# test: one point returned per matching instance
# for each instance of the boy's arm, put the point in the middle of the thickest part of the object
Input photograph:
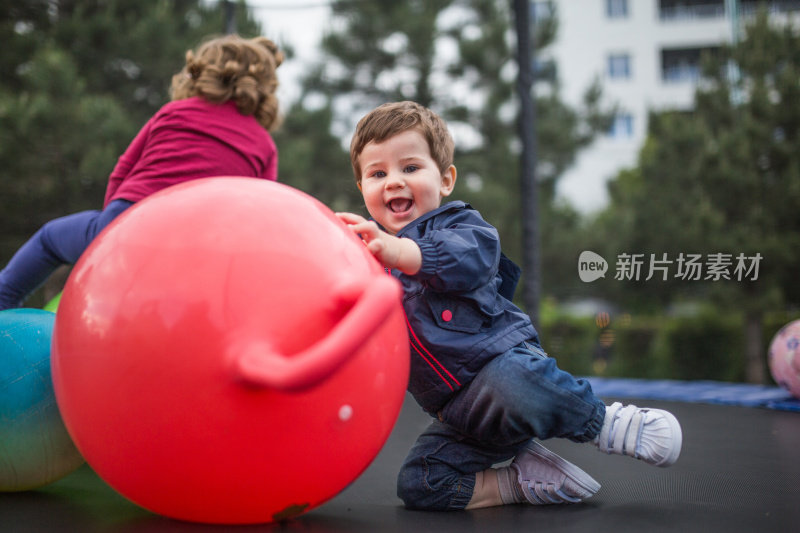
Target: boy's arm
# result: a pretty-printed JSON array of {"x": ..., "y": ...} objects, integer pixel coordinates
[
  {"x": 461, "y": 255},
  {"x": 393, "y": 252}
]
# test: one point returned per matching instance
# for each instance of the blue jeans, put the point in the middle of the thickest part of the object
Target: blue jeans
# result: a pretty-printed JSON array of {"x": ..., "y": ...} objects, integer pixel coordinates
[
  {"x": 61, "y": 241},
  {"x": 518, "y": 396}
]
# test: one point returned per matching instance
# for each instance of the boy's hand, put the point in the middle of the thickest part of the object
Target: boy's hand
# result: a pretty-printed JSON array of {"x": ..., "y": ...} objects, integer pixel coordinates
[{"x": 393, "y": 252}]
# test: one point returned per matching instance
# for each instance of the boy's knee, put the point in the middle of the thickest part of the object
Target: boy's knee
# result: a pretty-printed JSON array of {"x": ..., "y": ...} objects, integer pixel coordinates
[
  {"x": 433, "y": 489},
  {"x": 413, "y": 488},
  {"x": 407, "y": 488}
]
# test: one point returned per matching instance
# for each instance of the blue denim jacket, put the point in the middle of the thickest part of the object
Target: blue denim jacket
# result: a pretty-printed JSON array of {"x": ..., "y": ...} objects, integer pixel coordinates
[{"x": 458, "y": 306}]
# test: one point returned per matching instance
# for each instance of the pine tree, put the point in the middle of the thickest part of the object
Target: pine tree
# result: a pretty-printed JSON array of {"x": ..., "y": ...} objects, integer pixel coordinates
[
  {"x": 724, "y": 178},
  {"x": 458, "y": 58}
]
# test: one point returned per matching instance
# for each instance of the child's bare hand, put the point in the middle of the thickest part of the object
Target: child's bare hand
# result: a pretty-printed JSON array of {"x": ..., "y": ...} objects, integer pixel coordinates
[
  {"x": 366, "y": 229},
  {"x": 391, "y": 251},
  {"x": 378, "y": 242}
]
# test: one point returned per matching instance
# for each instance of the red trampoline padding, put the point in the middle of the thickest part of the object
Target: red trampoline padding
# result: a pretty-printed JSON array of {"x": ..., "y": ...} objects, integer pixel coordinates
[{"x": 226, "y": 351}]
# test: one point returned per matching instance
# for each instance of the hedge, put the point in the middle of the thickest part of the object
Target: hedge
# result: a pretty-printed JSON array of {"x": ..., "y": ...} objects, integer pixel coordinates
[{"x": 708, "y": 345}]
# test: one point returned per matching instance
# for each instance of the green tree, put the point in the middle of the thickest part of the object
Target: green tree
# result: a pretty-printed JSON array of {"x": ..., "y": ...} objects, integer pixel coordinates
[
  {"x": 312, "y": 158},
  {"x": 57, "y": 140},
  {"x": 724, "y": 178},
  {"x": 457, "y": 57}
]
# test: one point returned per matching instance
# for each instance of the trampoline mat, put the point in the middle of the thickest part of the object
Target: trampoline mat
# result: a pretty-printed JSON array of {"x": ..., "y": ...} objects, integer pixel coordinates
[{"x": 738, "y": 471}]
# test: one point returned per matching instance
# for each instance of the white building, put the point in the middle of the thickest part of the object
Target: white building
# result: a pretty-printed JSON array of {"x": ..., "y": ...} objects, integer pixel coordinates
[{"x": 646, "y": 54}]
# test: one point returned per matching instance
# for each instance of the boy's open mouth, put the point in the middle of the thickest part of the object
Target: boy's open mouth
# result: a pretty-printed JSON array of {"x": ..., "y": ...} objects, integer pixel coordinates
[{"x": 400, "y": 205}]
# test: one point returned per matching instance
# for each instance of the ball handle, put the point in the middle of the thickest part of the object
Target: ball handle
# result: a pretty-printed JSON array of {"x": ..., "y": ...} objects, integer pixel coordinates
[{"x": 257, "y": 364}]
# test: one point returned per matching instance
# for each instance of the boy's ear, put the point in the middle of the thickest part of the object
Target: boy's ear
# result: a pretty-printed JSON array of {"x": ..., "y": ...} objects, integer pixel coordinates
[
  {"x": 358, "y": 184},
  {"x": 448, "y": 181}
]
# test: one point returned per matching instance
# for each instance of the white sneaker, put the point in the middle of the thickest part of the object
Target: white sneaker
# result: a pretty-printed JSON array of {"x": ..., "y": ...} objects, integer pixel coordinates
[
  {"x": 652, "y": 435},
  {"x": 545, "y": 478}
]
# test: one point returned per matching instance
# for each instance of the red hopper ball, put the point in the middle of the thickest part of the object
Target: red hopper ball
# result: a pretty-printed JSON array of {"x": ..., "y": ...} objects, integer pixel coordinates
[{"x": 226, "y": 351}]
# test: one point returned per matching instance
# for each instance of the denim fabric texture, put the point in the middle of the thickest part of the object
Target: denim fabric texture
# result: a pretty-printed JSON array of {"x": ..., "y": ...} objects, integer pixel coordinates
[
  {"x": 60, "y": 241},
  {"x": 519, "y": 395}
]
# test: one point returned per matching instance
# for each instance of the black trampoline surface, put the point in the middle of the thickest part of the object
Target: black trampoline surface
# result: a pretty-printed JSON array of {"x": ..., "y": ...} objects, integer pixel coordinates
[{"x": 739, "y": 471}]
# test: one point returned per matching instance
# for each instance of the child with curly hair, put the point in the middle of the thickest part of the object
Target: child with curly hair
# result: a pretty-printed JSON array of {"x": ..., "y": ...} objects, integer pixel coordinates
[{"x": 217, "y": 123}]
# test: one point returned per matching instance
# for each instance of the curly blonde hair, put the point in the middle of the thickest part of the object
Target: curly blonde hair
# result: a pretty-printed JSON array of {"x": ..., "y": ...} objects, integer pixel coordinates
[{"x": 233, "y": 68}]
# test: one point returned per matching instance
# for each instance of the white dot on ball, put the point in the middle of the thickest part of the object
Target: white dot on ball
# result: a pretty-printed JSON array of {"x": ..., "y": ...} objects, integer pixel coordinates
[{"x": 345, "y": 412}]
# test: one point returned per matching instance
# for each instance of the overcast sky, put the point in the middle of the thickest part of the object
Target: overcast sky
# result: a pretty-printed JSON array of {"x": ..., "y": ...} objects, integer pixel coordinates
[{"x": 298, "y": 22}]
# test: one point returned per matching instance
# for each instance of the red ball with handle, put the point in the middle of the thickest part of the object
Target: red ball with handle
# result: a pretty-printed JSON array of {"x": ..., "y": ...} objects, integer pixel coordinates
[{"x": 226, "y": 351}]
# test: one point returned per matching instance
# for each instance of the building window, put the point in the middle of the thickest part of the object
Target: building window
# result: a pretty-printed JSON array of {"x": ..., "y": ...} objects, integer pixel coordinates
[
  {"x": 622, "y": 127},
  {"x": 682, "y": 65},
  {"x": 670, "y": 10},
  {"x": 616, "y": 8},
  {"x": 619, "y": 66},
  {"x": 751, "y": 7}
]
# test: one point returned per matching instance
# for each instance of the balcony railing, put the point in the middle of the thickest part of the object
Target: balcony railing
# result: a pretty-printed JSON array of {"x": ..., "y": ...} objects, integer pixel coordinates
[
  {"x": 692, "y": 11},
  {"x": 773, "y": 7},
  {"x": 689, "y": 11},
  {"x": 681, "y": 74}
]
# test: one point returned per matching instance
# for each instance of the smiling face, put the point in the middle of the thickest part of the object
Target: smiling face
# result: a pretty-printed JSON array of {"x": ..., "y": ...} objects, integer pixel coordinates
[{"x": 400, "y": 181}]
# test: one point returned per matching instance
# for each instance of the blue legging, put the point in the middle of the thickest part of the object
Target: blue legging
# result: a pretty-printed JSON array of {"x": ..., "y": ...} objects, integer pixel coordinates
[{"x": 61, "y": 241}]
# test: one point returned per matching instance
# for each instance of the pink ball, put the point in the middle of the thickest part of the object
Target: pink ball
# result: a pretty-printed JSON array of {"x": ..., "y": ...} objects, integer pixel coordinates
[{"x": 784, "y": 358}]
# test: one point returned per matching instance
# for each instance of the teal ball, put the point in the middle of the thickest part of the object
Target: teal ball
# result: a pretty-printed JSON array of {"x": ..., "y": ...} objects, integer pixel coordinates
[{"x": 35, "y": 447}]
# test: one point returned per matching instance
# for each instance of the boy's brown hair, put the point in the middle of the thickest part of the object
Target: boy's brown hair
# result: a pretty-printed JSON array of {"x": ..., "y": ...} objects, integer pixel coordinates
[
  {"x": 390, "y": 119},
  {"x": 233, "y": 68}
]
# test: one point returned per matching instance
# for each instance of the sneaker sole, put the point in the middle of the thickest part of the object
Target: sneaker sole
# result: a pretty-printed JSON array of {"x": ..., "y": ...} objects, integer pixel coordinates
[
  {"x": 677, "y": 434},
  {"x": 578, "y": 476}
]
